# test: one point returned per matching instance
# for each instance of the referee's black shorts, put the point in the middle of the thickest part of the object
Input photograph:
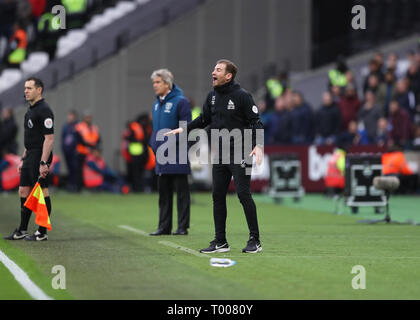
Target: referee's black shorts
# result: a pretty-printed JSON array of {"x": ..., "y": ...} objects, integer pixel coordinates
[{"x": 30, "y": 169}]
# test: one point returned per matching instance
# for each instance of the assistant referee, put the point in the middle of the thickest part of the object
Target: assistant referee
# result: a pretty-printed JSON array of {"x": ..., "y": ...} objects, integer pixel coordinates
[
  {"x": 37, "y": 156},
  {"x": 228, "y": 106}
]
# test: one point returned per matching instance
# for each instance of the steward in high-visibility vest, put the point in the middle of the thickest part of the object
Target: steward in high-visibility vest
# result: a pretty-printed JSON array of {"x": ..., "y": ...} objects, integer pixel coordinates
[
  {"x": 395, "y": 163},
  {"x": 17, "y": 47},
  {"x": 195, "y": 112},
  {"x": 337, "y": 78},
  {"x": 48, "y": 33},
  {"x": 136, "y": 154},
  {"x": 75, "y": 12},
  {"x": 274, "y": 87},
  {"x": 88, "y": 139},
  {"x": 334, "y": 179}
]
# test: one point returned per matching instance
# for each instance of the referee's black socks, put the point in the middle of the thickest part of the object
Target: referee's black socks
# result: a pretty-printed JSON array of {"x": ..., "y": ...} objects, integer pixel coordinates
[
  {"x": 43, "y": 230},
  {"x": 25, "y": 215}
]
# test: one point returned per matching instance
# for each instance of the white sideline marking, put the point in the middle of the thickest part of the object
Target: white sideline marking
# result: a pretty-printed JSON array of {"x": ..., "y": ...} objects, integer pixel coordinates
[
  {"x": 185, "y": 249},
  {"x": 143, "y": 233},
  {"x": 165, "y": 243},
  {"x": 23, "y": 279}
]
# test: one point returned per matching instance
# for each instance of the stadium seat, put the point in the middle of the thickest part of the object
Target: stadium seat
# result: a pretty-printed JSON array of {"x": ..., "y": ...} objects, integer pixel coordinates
[
  {"x": 113, "y": 14},
  {"x": 141, "y": 2},
  {"x": 9, "y": 78},
  {"x": 97, "y": 22},
  {"x": 73, "y": 40},
  {"x": 35, "y": 62},
  {"x": 125, "y": 6}
]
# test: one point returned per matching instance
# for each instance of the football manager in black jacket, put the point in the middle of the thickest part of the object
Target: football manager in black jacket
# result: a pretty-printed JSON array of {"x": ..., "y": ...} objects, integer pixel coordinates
[{"x": 230, "y": 107}]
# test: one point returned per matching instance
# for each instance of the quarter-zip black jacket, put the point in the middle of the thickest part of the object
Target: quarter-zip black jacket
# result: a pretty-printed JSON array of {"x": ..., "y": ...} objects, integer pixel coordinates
[{"x": 229, "y": 107}]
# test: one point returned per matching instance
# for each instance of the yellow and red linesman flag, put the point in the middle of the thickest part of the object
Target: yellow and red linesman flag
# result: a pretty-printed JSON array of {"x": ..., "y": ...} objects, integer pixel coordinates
[{"x": 36, "y": 203}]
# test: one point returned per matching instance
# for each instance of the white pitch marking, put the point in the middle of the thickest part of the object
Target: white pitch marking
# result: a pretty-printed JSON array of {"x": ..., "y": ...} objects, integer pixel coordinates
[
  {"x": 143, "y": 233},
  {"x": 166, "y": 243},
  {"x": 185, "y": 249},
  {"x": 31, "y": 288}
]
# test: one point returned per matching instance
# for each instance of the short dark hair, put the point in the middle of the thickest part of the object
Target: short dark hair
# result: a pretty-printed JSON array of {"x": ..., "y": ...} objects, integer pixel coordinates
[
  {"x": 38, "y": 82},
  {"x": 230, "y": 67}
]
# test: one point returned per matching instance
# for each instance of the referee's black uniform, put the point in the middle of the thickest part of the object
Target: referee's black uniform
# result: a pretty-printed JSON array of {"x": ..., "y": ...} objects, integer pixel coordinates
[
  {"x": 39, "y": 121},
  {"x": 230, "y": 107}
]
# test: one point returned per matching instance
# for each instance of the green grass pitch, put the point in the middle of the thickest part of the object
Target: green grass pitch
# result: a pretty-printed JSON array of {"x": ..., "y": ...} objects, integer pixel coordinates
[{"x": 308, "y": 252}]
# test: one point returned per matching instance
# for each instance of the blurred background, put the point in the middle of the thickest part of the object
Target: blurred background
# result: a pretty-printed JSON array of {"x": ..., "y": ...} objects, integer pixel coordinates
[{"x": 319, "y": 83}]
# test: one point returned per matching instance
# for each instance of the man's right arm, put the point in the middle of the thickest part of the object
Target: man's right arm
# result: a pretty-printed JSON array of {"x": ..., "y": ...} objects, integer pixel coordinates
[{"x": 203, "y": 120}]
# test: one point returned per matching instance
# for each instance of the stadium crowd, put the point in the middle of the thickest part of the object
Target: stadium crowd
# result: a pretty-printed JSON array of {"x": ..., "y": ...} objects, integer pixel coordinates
[
  {"x": 384, "y": 110},
  {"x": 27, "y": 25}
]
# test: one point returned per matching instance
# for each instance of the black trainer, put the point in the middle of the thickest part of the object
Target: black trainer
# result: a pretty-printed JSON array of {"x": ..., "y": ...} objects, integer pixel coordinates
[
  {"x": 16, "y": 235},
  {"x": 253, "y": 246},
  {"x": 37, "y": 236},
  {"x": 216, "y": 246}
]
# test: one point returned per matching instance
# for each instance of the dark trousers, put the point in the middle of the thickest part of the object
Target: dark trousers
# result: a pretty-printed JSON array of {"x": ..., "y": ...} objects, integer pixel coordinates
[
  {"x": 222, "y": 175},
  {"x": 167, "y": 184},
  {"x": 80, "y": 162}
]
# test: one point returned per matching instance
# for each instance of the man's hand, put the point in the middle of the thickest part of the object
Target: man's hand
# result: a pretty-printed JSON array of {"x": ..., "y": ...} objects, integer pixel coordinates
[
  {"x": 258, "y": 153},
  {"x": 43, "y": 171},
  {"x": 175, "y": 131}
]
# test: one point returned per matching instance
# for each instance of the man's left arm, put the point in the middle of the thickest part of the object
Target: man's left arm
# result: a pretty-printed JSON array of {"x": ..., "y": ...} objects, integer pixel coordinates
[
  {"x": 47, "y": 119},
  {"x": 251, "y": 113},
  {"x": 46, "y": 151}
]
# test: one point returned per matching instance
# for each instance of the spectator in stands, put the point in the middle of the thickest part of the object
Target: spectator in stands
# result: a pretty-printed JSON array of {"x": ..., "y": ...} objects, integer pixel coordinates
[
  {"x": 265, "y": 117},
  {"x": 405, "y": 97},
  {"x": 351, "y": 80},
  {"x": 382, "y": 132},
  {"x": 275, "y": 86},
  {"x": 413, "y": 75},
  {"x": 378, "y": 90},
  {"x": 327, "y": 121},
  {"x": 24, "y": 11},
  {"x": 398, "y": 67},
  {"x": 349, "y": 106},
  {"x": 8, "y": 16},
  {"x": 337, "y": 93},
  {"x": 302, "y": 126},
  {"x": 68, "y": 145},
  {"x": 379, "y": 58},
  {"x": 388, "y": 86},
  {"x": 18, "y": 44},
  {"x": 279, "y": 125},
  {"x": 401, "y": 125},
  {"x": 8, "y": 132},
  {"x": 369, "y": 115},
  {"x": 352, "y": 136},
  {"x": 374, "y": 68}
]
